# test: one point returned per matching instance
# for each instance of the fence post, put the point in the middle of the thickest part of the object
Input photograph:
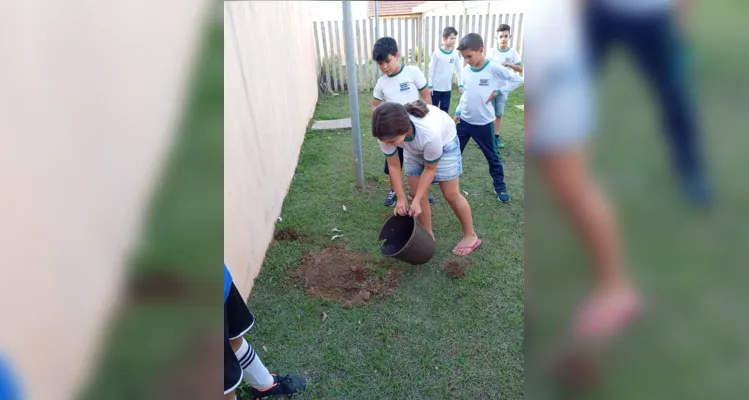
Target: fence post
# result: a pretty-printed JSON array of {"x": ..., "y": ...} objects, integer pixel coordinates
[{"x": 353, "y": 91}]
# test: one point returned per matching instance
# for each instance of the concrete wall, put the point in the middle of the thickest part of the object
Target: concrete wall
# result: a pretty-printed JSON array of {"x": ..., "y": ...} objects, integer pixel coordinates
[
  {"x": 91, "y": 94},
  {"x": 270, "y": 92}
]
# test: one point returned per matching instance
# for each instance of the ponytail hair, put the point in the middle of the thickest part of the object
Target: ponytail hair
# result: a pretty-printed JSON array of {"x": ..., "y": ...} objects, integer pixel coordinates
[{"x": 417, "y": 108}]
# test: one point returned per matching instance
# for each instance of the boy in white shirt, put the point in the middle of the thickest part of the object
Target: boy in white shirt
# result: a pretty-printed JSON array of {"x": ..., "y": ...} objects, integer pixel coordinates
[
  {"x": 483, "y": 81},
  {"x": 508, "y": 57},
  {"x": 445, "y": 61},
  {"x": 399, "y": 84}
]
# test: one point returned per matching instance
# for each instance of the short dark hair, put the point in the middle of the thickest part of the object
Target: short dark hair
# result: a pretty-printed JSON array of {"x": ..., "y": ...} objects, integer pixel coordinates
[
  {"x": 503, "y": 27},
  {"x": 471, "y": 41},
  {"x": 449, "y": 31},
  {"x": 383, "y": 47}
]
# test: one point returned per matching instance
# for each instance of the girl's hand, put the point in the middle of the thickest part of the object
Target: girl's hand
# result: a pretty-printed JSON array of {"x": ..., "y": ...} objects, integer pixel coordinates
[
  {"x": 401, "y": 207},
  {"x": 415, "y": 210},
  {"x": 492, "y": 97}
]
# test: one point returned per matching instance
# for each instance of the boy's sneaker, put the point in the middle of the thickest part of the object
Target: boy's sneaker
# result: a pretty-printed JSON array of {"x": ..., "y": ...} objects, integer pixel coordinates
[
  {"x": 391, "y": 198},
  {"x": 282, "y": 386},
  {"x": 503, "y": 197},
  {"x": 499, "y": 143}
]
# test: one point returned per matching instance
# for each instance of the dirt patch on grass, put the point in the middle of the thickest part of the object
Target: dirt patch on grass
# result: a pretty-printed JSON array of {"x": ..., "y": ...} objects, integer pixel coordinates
[
  {"x": 455, "y": 268},
  {"x": 336, "y": 274},
  {"x": 288, "y": 235}
]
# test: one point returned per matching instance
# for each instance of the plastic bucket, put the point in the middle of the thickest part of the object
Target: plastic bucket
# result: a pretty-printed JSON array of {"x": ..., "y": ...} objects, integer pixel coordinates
[{"x": 406, "y": 240}]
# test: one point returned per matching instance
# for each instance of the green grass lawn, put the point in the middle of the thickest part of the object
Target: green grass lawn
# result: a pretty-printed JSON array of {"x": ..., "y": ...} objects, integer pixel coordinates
[
  {"x": 435, "y": 337},
  {"x": 692, "y": 342}
]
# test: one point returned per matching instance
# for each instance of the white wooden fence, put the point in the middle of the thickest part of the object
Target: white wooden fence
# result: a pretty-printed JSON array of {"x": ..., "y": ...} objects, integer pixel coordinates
[{"x": 417, "y": 39}]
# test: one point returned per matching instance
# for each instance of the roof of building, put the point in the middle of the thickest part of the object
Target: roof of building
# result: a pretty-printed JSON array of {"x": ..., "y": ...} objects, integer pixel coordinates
[{"x": 391, "y": 8}]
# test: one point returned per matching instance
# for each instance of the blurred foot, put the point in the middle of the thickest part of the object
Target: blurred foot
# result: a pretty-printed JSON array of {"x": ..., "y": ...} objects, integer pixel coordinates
[
  {"x": 503, "y": 197},
  {"x": 607, "y": 313}
]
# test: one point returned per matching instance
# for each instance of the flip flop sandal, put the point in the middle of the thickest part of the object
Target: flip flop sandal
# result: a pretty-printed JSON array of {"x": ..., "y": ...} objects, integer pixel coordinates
[{"x": 472, "y": 248}]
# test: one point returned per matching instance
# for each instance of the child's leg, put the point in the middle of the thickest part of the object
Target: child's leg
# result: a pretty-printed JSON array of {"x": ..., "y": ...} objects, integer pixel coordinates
[
  {"x": 614, "y": 301},
  {"x": 484, "y": 137},
  {"x": 459, "y": 204},
  {"x": 445, "y": 101},
  {"x": 254, "y": 371},
  {"x": 497, "y": 125},
  {"x": 436, "y": 98},
  {"x": 464, "y": 134},
  {"x": 425, "y": 219}
]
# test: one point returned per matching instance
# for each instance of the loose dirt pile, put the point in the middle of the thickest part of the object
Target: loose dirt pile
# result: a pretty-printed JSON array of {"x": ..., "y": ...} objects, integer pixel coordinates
[
  {"x": 455, "y": 268},
  {"x": 337, "y": 274}
]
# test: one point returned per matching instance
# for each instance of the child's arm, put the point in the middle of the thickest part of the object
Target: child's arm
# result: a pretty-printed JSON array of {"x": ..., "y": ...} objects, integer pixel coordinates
[
  {"x": 459, "y": 72},
  {"x": 432, "y": 65},
  {"x": 396, "y": 179},
  {"x": 461, "y": 105},
  {"x": 378, "y": 95},
  {"x": 516, "y": 64},
  {"x": 514, "y": 81},
  {"x": 515, "y": 67},
  {"x": 421, "y": 84}
]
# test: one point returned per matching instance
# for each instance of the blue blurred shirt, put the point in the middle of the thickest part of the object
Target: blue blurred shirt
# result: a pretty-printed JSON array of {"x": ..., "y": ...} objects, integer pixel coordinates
[
  {"x": 8, "y": 386},
  {"x": 227, "y": 287}
]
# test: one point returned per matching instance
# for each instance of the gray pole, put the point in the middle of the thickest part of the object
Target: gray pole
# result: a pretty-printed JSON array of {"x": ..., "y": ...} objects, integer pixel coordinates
[
  {"x": 353, "y": 90},
  {"x": 377, "y": 21}
]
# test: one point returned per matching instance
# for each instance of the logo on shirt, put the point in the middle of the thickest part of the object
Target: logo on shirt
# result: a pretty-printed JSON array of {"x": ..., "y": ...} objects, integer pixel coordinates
[
  {"x": 404, "y": 87},
  {"x": 508, "y": 59},
  {"x": 484, "y": 82},
  {"x": 452, "y": 60}
]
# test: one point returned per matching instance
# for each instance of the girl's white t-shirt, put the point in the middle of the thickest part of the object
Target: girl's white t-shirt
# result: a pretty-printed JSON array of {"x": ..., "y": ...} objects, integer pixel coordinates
[{"x": 431, "y": 133}]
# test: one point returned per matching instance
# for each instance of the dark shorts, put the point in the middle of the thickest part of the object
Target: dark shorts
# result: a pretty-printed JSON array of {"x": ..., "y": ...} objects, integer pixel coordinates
[
  {"x": 238, "y": 319},
  {"x": 400, "y": 155}
]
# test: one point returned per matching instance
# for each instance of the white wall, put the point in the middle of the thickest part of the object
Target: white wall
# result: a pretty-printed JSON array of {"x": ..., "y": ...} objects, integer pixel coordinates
[
  {"x": 91, "y": 94},
  {"x": 270, "y": 93}
]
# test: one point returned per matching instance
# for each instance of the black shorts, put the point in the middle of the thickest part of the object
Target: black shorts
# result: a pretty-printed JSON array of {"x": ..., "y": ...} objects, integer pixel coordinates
[{"x": 238, "y": 319}]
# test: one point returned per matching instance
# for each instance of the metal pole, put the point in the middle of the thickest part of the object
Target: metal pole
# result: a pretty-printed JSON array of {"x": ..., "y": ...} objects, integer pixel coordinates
[
  {"x": 353, "y": 90},
  {"x": 377, "y": 20}
]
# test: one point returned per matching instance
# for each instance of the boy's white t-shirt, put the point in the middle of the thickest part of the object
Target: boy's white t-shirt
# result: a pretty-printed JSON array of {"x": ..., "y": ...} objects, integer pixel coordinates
[
  {"x": 510, "y": 55},
  {"x": 478, "y": 87},
  {"x": 402, "y": 87},
  {"x": 431, "y": 133},
  {"x": 441, "y": 69}
]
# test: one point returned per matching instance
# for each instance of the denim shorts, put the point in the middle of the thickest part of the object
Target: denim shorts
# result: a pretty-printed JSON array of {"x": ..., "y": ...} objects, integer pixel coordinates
[
  {"x": 499, "y": 103},
  {"x": 449, "y": 167}
]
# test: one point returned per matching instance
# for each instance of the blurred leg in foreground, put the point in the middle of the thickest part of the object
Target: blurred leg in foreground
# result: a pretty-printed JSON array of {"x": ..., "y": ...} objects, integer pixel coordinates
[
  {"x": 560, "y": 123},
  {"x": 651, "y": 33}
]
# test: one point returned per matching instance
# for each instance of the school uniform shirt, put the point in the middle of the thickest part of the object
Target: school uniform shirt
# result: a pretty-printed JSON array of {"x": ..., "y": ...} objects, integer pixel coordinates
[
  {"x": 401, "y": 87},
  {"x": 502, "y": 56},
  {"x": 441, "y": 70},
  {"x": 478, "y": 87},
  {"x": 431, "y": 133}
]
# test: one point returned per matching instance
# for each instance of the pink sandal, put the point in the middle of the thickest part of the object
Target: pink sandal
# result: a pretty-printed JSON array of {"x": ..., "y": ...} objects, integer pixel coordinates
[{"x": 472, "y": 248}]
